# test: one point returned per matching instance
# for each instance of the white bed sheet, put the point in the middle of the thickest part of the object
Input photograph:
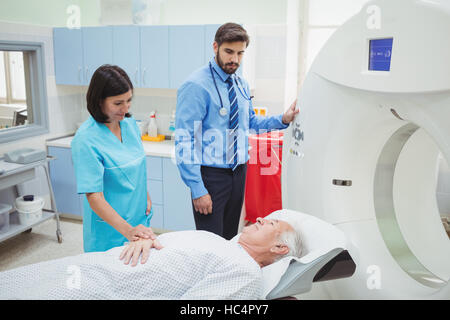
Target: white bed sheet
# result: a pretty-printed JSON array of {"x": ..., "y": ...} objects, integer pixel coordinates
[{"x": 192, "y": 265}]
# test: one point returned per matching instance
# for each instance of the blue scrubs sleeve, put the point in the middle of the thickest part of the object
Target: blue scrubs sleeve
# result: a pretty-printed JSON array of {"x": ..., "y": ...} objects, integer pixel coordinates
[{"x": 88, "y": 165}]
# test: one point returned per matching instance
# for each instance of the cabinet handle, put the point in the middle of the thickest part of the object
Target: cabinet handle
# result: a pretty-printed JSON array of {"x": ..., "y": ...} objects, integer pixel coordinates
[
  {"x": 136, "y": 75},
  {"x": 79, "y": 74},
  {"x": 143, "y": 76}
]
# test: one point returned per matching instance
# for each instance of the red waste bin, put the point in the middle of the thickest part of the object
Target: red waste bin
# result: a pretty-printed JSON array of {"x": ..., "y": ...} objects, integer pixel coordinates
[{"x": 263, "y": 182}]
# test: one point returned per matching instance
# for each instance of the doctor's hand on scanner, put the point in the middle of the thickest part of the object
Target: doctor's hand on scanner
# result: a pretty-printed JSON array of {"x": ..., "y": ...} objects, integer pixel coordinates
[
  {"x": 133, "y": 250},
  {"x": 203, "y": 204},
  {"x": 290, "y": 113}
]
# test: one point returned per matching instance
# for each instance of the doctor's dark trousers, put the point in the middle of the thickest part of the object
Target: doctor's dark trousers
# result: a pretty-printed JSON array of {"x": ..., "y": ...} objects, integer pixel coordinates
[{"x": 226, "y": 188}]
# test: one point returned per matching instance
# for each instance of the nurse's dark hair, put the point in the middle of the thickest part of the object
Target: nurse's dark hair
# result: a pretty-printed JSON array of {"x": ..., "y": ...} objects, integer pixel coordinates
[
  {"x": 231, "y": 32},
  {"x": 107, "y": 81}
]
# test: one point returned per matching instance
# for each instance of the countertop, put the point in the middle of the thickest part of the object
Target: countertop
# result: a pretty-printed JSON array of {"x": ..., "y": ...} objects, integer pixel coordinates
[{"x": 164, "y": 148}]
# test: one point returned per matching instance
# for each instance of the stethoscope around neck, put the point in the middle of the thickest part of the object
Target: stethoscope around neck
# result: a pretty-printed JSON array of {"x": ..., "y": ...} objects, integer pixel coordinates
[{"x": 223, "y": 111}]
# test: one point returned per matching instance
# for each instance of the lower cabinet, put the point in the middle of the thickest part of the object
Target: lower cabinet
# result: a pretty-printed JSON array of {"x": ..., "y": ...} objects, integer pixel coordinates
[
  {"x": 171, "y": 199},
  {"x": 178, "y": 213},
  {"x": 64, "y": 184},
  {"x": 157, "y": 220}
]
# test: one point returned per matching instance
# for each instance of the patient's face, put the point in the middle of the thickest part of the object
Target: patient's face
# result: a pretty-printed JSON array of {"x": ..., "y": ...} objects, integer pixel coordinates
[{"x": 265, "y": 232}]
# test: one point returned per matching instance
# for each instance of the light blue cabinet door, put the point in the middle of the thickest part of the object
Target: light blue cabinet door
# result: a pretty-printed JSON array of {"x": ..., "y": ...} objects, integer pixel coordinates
[
  {"x": 155, "y": 190},
  {"x": 68, "y": 56},
  {"x": 157, "y": 220},
  {"x": 154, "y": 168},
  {"x": 177, "y": 199},
  {"x": 186, "y": 52},
  {"x": 154, "y": 41},
  {"x": 97, "y": 49},
  {"x": 62, "y": 175},
  {"x": 126, "y": 53}
]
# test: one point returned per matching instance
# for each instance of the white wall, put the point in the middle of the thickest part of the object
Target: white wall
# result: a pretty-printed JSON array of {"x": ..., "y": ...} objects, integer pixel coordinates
[
  {"x": 51, "y": 13},
  {"x": 273, "y": 76},
  {"x": 217, "y": 11}
]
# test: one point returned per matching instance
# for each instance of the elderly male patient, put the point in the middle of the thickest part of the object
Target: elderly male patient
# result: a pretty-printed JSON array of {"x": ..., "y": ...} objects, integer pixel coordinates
[{"x": 190, "y": 265}]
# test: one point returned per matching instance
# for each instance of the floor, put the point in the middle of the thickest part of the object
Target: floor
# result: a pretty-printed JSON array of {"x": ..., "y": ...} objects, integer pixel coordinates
[{"x": 41, "y": 244}]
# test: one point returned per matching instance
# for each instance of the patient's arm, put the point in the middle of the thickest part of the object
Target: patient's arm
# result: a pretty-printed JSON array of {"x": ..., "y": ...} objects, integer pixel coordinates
[{"x": 133, "y": 250}]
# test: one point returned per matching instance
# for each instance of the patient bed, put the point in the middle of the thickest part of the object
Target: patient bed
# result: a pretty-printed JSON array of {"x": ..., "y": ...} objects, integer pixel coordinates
[{"x": 101, "y": 276}]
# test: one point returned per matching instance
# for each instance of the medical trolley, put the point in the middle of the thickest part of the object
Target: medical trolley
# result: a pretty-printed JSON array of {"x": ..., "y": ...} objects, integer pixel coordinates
[{"x": 13, "y": 174}]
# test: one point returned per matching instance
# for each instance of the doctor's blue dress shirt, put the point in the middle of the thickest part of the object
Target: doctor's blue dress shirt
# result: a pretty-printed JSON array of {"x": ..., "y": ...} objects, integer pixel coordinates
[{"x": 202, "y": 128}]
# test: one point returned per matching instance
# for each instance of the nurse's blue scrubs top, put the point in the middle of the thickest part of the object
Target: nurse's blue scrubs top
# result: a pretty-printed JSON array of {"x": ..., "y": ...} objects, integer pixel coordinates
[{"x": 118, "y": 169}]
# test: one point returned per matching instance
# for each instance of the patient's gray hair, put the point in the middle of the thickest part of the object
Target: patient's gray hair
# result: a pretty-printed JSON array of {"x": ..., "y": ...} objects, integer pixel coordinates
[{"x": 292, "y": 239}]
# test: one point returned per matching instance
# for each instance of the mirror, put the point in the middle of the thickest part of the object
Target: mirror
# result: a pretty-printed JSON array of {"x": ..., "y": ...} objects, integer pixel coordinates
[
  {"x": 23, "y": 90},
  {"x": 15, "y": 109}
]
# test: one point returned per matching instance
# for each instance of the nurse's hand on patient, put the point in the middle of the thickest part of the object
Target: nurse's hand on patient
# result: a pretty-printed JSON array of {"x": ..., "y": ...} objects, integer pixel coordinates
[
  {"x": 290, "y": 113},
  {"x": 149, "y": 206},
  {"x": 134, "y": 249},
  {"x": 203, "y": 204},
  {"x": 139, "y": 232}
]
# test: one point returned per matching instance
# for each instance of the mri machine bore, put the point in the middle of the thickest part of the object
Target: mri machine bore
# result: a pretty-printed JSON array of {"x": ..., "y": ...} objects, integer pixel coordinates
[{"x": 365, "y": 150}]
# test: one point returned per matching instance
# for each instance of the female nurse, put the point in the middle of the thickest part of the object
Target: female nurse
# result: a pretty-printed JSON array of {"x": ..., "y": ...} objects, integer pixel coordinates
[{"x": 110, "y": 165}]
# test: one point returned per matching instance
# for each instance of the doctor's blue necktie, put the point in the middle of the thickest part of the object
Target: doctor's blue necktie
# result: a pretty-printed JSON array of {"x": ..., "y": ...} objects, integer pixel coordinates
[{"x": 234, "y": 123}]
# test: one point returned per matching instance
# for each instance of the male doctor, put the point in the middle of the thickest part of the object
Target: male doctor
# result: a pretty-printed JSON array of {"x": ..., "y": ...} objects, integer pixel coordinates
[{"x": 213, "y": 116}]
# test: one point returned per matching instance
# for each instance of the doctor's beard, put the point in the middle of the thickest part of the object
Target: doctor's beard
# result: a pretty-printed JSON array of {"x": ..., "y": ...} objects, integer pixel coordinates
[{"x": 228, "y": 68}]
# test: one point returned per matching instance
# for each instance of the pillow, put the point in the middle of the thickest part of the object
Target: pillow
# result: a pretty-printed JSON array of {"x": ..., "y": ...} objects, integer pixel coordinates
[{"x": 318, "y": 239}]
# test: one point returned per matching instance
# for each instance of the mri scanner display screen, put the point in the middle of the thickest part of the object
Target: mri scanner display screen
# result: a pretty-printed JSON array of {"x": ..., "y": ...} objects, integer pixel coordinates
[{"x": 380, "y": 54}]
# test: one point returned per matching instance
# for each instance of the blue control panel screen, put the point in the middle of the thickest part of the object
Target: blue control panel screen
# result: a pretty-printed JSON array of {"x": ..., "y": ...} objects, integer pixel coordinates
[{"x": 380, "y": 54}]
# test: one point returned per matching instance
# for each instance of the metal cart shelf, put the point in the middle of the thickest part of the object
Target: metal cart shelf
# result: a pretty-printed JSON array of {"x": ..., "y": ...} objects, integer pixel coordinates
[{"x": 13, "y": 174}]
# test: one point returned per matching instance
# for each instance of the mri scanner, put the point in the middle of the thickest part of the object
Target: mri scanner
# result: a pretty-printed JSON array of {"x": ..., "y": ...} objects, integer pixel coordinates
[{"x": 365, "y": 150}]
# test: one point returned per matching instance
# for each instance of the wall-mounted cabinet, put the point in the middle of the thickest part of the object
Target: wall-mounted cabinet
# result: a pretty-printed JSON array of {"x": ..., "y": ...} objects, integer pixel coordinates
[
  {"x": 68, "y": 55},
  {"x": 152, "y": 56},
  {"x": 125, "y": 41},
  {"x": 97, "y": 49},
  {"x": 78, "y": 53},
  {"x": 186, "y": 52}
]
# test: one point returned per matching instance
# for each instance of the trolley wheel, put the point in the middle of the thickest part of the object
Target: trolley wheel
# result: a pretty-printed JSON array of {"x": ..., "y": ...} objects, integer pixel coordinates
[
  {"x": 59, "y": 236},
  {"x": 28, "y": 231}
]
